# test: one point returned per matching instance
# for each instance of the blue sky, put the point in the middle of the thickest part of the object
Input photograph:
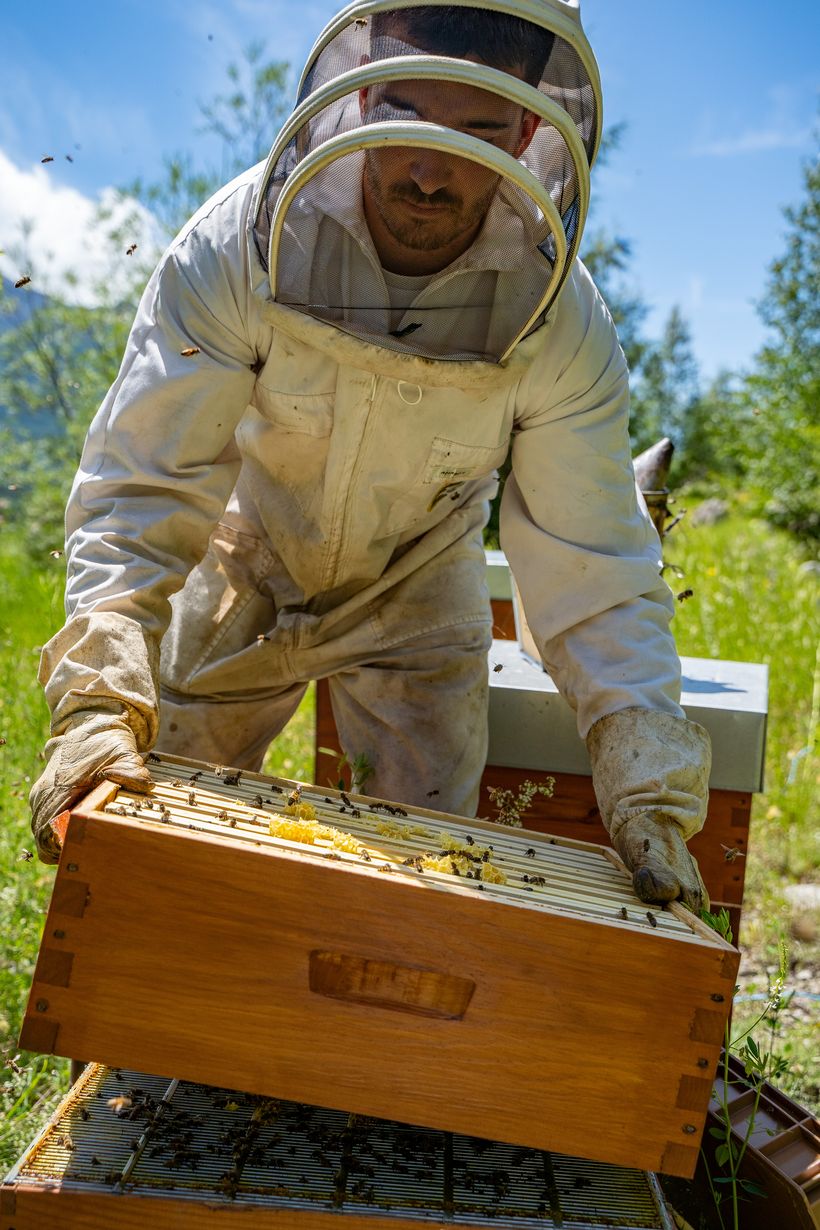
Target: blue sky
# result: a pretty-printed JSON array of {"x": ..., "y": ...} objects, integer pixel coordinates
[{"x": 720, "y": 99}]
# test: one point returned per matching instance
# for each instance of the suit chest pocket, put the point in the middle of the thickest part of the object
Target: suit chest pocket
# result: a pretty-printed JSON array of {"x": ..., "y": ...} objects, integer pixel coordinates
[
  {"x": 451, "y": 462},
  {"x": 296, "y": 389}
]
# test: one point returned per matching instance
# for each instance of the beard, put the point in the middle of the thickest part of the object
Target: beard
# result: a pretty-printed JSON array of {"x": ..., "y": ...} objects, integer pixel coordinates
[{"x": 451, "y": 221}]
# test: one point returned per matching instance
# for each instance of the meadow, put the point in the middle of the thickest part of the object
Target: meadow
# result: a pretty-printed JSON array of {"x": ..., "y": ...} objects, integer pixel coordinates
[{"x": 754, "y": 599}]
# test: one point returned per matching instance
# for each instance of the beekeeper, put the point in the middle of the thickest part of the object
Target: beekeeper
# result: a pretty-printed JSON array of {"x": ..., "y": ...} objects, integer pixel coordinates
[{"x": 290, "y": 477}]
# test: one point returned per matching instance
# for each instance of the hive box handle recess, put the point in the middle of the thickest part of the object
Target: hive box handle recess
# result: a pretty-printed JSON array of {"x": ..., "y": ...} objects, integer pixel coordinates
[{"x": 384, "y": 984}]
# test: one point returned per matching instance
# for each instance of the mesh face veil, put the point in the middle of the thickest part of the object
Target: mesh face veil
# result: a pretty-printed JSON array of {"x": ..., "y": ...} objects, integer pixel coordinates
[{"x": 429, "y": 191}]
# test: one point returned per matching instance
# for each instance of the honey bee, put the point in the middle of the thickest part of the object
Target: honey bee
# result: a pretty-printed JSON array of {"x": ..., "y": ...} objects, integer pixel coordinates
[
  {"x": 499, "y": 666},
  {"x": 131, "y": 249},
  {"x": 730, "y": 853},
  {"x": 684, "y": 594},
  {"x": 653, "y": 922},
  {"x": 56, "y": 554},
  {"x": 360, "y": 21},
  {"x": 646, "y": 845},
  {"x": 23, "y": 281},
  {"x": 431, "y": 794},
  {"x": 120, "y": 1103},
  {"x": 25, "y": 856},
  {"x": 188, "y": 351},
  {"x": 622, "y": 913},
  {"x": 68, "y": 158},
  {"x": 48, "y": 158},
  {"x": 530, "y": 853},
  {"x": 407, "y": 330}
]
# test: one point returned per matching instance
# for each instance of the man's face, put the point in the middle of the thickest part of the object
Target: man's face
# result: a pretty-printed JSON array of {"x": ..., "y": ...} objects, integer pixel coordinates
[{"x": 425, "y": 208}]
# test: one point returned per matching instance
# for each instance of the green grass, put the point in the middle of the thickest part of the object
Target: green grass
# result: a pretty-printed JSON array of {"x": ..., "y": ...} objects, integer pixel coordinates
[
  {"x": 31, "y": 610},
  {"x": 750, "y": 602}
]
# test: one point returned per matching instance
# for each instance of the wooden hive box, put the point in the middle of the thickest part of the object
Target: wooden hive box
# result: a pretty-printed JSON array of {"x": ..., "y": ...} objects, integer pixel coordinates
[
  {"x": 181, "y": 1156},
  {"x": 550, "y": 1010}
]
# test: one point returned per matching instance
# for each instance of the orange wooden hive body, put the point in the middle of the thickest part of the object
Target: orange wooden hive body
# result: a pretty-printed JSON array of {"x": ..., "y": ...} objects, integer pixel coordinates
[{"x": 552, "y": 1010}]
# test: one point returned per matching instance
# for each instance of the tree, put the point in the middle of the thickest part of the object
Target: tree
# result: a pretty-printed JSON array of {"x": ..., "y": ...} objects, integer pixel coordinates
[
  {"x": 245, "y": 119},
  {"x": 780, "y": 444},
  {"x": 607, "y": 256},
  {"x": 57, "y": 359},
  {"x": 666, "y": 391}
]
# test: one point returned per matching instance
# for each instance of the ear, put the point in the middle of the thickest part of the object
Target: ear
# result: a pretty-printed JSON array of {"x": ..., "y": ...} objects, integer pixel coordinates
[
  {"x": 363, "y": 92},
  {"x": 529, "y": 124}
]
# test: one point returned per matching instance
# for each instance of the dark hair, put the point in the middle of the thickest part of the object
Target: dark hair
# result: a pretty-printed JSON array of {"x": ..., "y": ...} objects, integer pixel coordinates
[{"x": 498, "y": 39}]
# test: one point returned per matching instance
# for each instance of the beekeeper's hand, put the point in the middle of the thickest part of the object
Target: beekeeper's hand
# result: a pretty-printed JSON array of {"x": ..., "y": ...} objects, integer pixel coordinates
[
  {"x": 93, "y": 747},
  {"x": 653, "y": 849},
  {"x": 651, "y": 772}
]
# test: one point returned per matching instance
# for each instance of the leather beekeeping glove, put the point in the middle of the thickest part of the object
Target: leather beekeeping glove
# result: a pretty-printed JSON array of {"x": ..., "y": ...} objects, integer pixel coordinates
[
  {"x": 99, "y": 674},
  {"x": 94, "y": 747},
  {"x": 651, "y": 773}
]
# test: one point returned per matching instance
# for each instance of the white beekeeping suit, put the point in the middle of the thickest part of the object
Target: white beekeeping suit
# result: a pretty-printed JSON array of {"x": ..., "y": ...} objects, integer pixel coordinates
[{"x": 290, "y": 476}]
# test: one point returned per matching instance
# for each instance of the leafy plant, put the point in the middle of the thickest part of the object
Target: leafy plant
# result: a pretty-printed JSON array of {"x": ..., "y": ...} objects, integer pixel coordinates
[
  {"x": 359, "y": 768},
  {"x": 730, "y": 1188}
]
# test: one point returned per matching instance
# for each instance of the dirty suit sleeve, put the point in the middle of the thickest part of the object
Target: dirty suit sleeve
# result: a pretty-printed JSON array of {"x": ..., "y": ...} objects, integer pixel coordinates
[
  {"x": 581, "y": 546},
  {"x": 157, "y": 470}
]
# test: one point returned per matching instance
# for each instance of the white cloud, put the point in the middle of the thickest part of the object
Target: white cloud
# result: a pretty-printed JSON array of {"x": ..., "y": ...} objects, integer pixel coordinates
[
  {"x": 48, "y": 232},
  {"x": 754, "y": 141},
  {"x": 784, "y": 125}
]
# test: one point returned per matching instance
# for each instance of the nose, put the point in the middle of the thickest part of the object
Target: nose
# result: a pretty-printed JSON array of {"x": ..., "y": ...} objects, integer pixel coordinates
[{"x": 430, "y": 170}]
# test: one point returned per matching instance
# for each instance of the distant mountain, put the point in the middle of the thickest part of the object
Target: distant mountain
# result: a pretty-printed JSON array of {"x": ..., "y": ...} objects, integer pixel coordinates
[{"x": 16, "y": 306}]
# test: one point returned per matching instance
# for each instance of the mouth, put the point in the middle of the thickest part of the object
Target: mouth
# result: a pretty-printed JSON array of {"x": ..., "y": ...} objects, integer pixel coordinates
[{"x": 424, "y": 209}]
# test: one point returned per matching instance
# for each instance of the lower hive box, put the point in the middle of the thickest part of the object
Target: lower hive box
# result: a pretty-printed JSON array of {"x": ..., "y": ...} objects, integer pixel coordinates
[
  {"x": 456, "y": 974},
  {"x": 126, "y": 1151}
]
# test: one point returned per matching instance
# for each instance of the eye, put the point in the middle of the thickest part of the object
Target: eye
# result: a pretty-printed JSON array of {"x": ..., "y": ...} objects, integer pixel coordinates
[
  {"x": 386, "y": 111},
  {"x": 493, "y": 136}
]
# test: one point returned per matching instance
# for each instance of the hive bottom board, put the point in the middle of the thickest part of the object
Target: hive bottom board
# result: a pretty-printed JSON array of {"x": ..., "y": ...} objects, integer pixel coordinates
[{"x": 125, "y": 1151}]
